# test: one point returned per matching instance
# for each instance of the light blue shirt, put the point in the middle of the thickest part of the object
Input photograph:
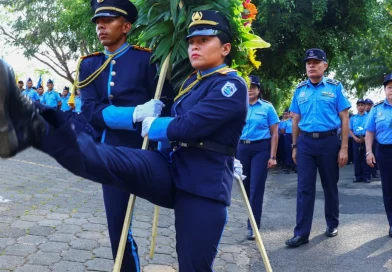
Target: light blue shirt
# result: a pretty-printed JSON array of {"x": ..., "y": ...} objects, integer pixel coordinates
[
  {"x": 319, "y": 106},
  {"x": 379, "y": 121},
  {"x": 51, "y": 98},
  {"x": 41, "y": 97},
  {"x": 64, "y": 102},
  {"x": 260, "y": 117},
  {"x": 31, "y": 93},
  {"x": 358, "y": 123},
  {"x": 78, "y": 104},
  {"x": 288, "y": 125}
]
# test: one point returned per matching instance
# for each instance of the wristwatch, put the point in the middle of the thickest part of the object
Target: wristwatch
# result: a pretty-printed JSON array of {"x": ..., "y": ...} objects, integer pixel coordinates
[{"x": 293, "y": 146}]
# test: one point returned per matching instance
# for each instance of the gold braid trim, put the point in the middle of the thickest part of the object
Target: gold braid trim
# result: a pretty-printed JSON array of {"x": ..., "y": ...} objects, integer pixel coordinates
[
  {"x": 93, "y": 76},
  {"x": 198, "y": 79}
]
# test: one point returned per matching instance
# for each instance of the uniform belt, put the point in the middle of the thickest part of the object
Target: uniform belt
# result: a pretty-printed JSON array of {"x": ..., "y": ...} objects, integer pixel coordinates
[
  {"x": 388, "y": 146},
  {"x": 360, "y": 136},
  {"x": 253, "y": 142},
  {"x": 210, "y": 146},
  {"x": 319, "y": 135}
]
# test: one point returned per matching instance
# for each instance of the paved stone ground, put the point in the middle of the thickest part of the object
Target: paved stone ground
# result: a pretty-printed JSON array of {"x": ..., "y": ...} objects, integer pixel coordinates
[{"x": 51, "y": 220}]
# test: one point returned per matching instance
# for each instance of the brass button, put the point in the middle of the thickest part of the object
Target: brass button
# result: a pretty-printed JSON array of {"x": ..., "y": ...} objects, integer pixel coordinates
[
  {"x": 113, "y": 62},
  {"x": 111, "y": 96},
  {"x": 112, "y": 83},
  {"x": 113, "y": 73}
]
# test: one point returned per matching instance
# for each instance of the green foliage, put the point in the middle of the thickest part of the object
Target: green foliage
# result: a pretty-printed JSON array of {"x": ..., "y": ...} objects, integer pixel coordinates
[
  {"x": 336, "y": 26},
  {"x": 164, "y": 28}
]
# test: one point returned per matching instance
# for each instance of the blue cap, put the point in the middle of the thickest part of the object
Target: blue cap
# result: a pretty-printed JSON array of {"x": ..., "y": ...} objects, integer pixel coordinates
[
  {"x": 114, "y": 8},
  {"x": 360, "y": 101},
  {"x": 208, "y": 23},
  {"x": 29, "y": 79},
  {"x": 49, "y": 81},
  {"x": 66, "y": 88},
  {"x": 387, "y": 79},
  {"x": 368, "y": 101},
  {"x": 315, "y": 53},
  {"x": 255, "y": 80}
]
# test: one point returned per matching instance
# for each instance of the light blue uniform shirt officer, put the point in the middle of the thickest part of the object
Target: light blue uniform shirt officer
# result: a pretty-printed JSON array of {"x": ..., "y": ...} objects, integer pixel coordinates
[
  {"x": 288, "y": 125},
  {"x": 31, "y": 93},
  {"x": 78, "y": 104},
  {"x": 51, "y": 98},
  {"x": 64, "y": 102},
  {"x": 319, "y": 105},
  {"x": 261, "y": 116},
  {"x": 379, "y": 121},
  {"x": 358, "y": 123}
]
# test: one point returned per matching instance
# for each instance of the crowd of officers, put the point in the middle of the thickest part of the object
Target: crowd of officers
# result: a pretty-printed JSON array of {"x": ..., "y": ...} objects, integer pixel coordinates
[{"x": 50, "y": 97}]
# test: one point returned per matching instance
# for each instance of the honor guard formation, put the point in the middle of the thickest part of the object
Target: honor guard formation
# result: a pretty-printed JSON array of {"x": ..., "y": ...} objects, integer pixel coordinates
[{"x": 216, "y": 128}]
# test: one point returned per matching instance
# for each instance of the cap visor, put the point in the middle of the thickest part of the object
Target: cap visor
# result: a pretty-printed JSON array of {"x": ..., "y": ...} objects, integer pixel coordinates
[
  {"x": 204, "y": 32},
  {"x": 315, "y": 58},
  {"x": 105, "y": 14}
]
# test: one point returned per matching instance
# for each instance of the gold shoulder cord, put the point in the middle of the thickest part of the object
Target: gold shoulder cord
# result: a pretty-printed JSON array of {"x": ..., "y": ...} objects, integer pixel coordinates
[
  {"x": 92, "y": 77},
  {"x": 198, "y": 79}
]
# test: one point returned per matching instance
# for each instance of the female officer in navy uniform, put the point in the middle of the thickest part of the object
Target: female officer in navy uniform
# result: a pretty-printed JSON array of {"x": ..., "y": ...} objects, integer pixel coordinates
[
  {"x": 379, "y": 126},
  {"x": 195, "y": 178},
  {"x": 257, "y": 148}
]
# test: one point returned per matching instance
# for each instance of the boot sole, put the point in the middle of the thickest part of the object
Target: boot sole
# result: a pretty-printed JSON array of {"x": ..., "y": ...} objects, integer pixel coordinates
[{"x": 8, "y": 139}]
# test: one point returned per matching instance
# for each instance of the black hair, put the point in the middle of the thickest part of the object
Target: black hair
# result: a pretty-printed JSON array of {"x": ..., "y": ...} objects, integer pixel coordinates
[
  {"x": 20, "y": 81},
  {"x": 225, "y": 38}
]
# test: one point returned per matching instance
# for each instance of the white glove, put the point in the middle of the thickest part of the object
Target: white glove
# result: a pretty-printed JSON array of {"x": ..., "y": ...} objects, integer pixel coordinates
[
  {"x": 146, "y": 125},
  {"x": 152, "y": 108},
  {"x": 238, "y": 170}
]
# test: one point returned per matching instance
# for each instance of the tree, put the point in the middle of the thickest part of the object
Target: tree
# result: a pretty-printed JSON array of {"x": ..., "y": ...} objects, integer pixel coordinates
[
  {"x": 54, "y": 32},
  {"x": 294, "y": 26}
]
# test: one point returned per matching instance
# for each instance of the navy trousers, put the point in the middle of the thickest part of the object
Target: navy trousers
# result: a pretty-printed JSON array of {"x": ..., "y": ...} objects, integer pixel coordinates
[
  {"x": 384, "y": 159},
  {"x": 254, "y": 159},
  {"x": 375, "y": 168},
  {"x": 313, "y": 154},
  {"x": 280, "y": 156},
  {"x": 350, "y": 150},
  {"x": 147, "y": 174},
  {"x": 362, "y": 171}
]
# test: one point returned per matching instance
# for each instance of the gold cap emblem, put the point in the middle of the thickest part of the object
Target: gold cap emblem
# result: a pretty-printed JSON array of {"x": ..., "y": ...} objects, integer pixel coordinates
[
  {"x": 100, "y": 1},
  {"x": 197, "y": 16}
]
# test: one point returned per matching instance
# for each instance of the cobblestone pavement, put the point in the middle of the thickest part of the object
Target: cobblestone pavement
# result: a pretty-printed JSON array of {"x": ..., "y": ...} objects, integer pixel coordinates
[{"x": 51, "y": 220}]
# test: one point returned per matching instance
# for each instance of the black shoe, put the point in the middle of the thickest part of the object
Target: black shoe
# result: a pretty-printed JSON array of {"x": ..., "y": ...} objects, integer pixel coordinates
[
  {"x": 367, "y": 181},
  {"x": 375, "y": 176},
  {"x": 297, "y": 241},
  {"x": 331, "y": 232},
  {"x": 250, "y": 236},
  {"x": 20, "y": 124},
  {"x": 357, "y": 180},
  {"x": 287, "y": 171},
  {"x": 390, "y": 232}
]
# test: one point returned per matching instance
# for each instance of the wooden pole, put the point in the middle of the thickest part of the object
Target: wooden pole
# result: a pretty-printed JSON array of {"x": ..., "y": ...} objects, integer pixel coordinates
[{"x": 256, "y": 231}]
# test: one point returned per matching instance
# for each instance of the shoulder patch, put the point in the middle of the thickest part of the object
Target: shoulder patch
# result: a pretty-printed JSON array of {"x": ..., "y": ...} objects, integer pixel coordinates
[
  {"x": 333, "y": 81},
  {"x": 379, "y": 103},
  {"x": 141, "y": 48},
  {"x": 266, "y": 101},
  {"x": 91, "y": 55},
  {"x": 229, "y": 89},
  {"x": 303, "y": 83},
  {"x": 226, "y": 71}
]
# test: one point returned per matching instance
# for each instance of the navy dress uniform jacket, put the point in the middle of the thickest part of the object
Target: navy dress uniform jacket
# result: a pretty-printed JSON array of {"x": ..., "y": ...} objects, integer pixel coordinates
[{"x": 129, "y": 80}]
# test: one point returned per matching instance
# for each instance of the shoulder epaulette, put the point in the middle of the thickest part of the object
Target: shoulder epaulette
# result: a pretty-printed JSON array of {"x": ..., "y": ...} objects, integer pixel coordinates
[
  {"x": 91, "y": 55},
  {"x": 266, "y": 101},
  {"x": 226, "y": 71},
  {"x": 137, "y": 47},
  {"x": 379, "y": 103},
  {"x": 333, "y": 81},
  {"x": 303, "y": 83}
]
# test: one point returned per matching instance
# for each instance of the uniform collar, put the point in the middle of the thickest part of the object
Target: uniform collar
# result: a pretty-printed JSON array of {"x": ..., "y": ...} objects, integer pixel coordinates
[
  {"x": 324, "y": 80},
  {"x": 212, "y": 69},
  {"x": 387, "y": 103},
  {"x": 121, "y": 48}
]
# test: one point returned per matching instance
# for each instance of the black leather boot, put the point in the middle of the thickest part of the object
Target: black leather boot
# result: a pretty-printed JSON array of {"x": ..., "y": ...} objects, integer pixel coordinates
[{"x": 21, "y": 126}]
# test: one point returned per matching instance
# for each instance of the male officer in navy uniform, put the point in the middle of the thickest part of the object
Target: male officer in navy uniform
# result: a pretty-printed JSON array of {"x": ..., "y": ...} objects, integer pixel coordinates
[
  {"x": 319, "y": 108},
  {"x": 110, "y": 102}
]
